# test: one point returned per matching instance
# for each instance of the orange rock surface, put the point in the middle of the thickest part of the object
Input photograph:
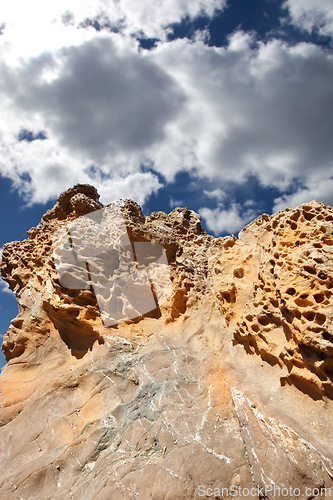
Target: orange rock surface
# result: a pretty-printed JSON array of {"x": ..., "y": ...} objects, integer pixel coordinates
[{"x": 226, "y": 385}]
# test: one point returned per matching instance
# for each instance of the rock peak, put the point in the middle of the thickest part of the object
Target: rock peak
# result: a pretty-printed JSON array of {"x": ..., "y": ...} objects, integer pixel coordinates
[
  {"x": 150, "y": 359},
  {"x": 79, "y": 200}
]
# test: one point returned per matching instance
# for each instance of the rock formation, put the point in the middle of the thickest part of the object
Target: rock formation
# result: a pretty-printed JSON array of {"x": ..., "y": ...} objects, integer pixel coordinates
[{"x": 223, "y": 388}]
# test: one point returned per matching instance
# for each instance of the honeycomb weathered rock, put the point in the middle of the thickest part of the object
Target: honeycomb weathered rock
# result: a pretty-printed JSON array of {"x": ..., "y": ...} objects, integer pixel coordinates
[{"x": 226, "y": 383}]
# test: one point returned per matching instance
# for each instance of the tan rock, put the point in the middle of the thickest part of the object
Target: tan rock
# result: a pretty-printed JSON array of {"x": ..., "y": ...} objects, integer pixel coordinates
[{"x": 226, "y": 385}]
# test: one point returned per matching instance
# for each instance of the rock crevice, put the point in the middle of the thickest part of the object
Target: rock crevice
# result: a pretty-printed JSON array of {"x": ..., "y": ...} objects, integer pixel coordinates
[{"x": 152, "y": 360}]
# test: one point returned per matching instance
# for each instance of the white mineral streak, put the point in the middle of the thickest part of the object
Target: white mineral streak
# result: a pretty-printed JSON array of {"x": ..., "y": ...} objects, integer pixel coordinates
[{"x": 224, "y": 380}]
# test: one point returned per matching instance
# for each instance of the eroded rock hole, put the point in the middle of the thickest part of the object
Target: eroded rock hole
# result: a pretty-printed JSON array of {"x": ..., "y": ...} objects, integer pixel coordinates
[
  {"x": 327, "y": 336},
  {"x": 319, "y": 297},
  {"x": 308, "y": 215},
  {"x": 265, "y": 320},
  {"x": 309, "y": 269},
  {"x": 309, "y": 315},
  {"x": 303, "y": 302},
  {"x": 320, "y": 319},
  {"x": 312, "y": 354},
  {"x": 239, "y": 273}
]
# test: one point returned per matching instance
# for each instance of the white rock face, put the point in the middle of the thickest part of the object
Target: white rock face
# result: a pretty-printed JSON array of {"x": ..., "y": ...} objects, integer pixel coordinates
[
  {"x": 129, "y": 278},
  {"x": 222, "y": 386}
]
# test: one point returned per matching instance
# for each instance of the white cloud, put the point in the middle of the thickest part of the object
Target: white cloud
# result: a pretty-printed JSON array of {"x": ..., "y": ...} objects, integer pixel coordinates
[
  {"x": 312, "y": 14},
  {"x": 102, "y": 101},
  {"x": 137, "y": 186},
  {"x": 36, "y": 24},
  {"x": 320, "y": 190},
  {"x": 218, "y": 194},
  {"x": 149, "y": 17},
  {"x": 4, "y": 287},
  {"x": 264, "y": 110},
  {"x": 231, "y": 220},
  {"x": 1, "y": 250},
  {"x": 106, "y": 105},
  {"x": 175, "y": 203}
]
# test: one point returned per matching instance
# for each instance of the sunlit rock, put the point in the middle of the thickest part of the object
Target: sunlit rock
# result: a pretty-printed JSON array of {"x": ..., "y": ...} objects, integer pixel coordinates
[{"x": 152, "y": 360}]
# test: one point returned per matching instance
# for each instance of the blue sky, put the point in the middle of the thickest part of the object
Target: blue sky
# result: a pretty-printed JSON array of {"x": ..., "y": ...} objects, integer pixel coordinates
[{"x": 225, "y": 107}]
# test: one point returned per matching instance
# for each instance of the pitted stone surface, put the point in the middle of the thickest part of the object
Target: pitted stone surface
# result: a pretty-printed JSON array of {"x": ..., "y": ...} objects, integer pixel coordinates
[{"x": 226, "y": 384}]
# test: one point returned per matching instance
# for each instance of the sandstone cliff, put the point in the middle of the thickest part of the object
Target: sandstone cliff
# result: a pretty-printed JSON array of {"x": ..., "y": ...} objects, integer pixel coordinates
[{"x": 223, "y": 386}]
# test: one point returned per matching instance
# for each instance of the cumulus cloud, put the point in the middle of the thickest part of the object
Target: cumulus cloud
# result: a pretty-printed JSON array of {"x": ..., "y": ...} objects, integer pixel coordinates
[
  {"x": 96, "y": 108},
  {"x": 101, "y": 100},
  {"x": 218, "y": 194},
  {"x": 142, "y": 17},
  {"x": 312, "y": 15},
  {"x": 5, "y": 288},
  {"x": 319, "y": 190},
  {"x": 104, "y": 106},
  {"x": 175, "y": 203},
  {"x": 252, "y": 109},
  {"x": 150, "y": 18},
  {"x": 221, "y": 220},
  {"x": 137, "y": 186}
]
